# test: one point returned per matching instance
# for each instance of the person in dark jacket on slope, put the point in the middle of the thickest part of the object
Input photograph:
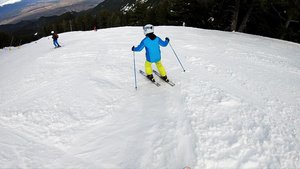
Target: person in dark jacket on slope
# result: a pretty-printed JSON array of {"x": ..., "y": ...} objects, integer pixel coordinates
[
  {"x": 152, "y": 44},
  {"x": 55, "y": 37}
]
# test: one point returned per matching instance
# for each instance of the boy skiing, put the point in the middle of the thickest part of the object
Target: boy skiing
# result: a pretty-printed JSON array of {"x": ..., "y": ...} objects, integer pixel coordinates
[
  {"x": 55, "y": 37},
  {"x": 152, "y": 44}
]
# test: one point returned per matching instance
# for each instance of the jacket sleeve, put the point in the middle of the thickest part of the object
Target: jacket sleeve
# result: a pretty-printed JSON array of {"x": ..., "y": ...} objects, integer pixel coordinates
[
  {"x": 140, "y": 47},
  {"x": 163, "y": 43}
]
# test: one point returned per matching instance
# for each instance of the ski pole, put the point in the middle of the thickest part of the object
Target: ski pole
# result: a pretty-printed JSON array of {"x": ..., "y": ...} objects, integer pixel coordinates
[
  {"x": 20, "y": 44},
  {"x": 12, "y": 39},
  {"x": 134, "y": 70},
  {"x": 177, "y": 57}
]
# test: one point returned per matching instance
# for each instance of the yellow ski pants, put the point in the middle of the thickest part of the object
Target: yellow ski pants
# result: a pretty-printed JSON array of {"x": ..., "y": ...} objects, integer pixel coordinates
[{"x": 159, "y": 66}]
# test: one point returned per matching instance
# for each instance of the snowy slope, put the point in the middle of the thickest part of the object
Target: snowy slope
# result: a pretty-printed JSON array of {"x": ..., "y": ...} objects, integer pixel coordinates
[{"x": 236, "y": 106}]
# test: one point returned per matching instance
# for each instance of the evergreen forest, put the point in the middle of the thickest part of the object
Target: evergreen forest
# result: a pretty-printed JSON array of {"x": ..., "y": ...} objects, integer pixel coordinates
[{"x": 271, "y": 18}]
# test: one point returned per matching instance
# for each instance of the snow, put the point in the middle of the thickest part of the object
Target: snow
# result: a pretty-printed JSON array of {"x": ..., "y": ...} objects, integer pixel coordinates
[
  {"x": 236, "y": 106},
  {"x": 127, "y": 8}
]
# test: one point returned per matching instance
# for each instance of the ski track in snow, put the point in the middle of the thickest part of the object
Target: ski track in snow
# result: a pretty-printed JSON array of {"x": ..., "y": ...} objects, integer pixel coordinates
[
  {"x": 247, "y": 122},
  {"x": 236, "y": 106}
]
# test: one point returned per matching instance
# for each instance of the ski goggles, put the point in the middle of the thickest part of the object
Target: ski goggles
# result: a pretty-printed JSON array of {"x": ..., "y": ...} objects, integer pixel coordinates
[{"x": 147, "y": 27}]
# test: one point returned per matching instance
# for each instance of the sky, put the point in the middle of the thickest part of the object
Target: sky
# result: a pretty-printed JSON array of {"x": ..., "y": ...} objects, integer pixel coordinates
[
  {"x": 33, "y": 9},
  {"x": 6, "y": 2}
]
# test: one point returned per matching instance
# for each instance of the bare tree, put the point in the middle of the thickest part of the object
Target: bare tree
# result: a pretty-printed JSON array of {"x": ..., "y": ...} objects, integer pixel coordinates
[
  {"x": 246, "y": 17},
  {"x": 235, "y": 15},
  {"x": 292, "y": 10}
]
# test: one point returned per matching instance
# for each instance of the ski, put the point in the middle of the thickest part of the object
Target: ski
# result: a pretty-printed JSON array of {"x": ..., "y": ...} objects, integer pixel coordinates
[
  {"x": 143, "y": 73},
  {"x": 169, "y": 82}
]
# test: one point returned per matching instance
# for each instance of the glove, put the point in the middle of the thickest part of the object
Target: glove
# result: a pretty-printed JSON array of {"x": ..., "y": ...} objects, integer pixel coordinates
[
  {"x": 167, "y": 39},
  {"x": 132, "y": 48}
]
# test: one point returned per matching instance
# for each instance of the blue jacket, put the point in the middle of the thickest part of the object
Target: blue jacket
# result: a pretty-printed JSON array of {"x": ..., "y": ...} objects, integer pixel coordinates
[{"x": 152, "y": 48}]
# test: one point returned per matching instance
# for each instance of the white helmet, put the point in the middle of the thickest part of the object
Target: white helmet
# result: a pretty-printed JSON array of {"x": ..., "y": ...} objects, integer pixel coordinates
[
  {"x": 148, "y": 29},
  {"x": 52, "y": 32}
]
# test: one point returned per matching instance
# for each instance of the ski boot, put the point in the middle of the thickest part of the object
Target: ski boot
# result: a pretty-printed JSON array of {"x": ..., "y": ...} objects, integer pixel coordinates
[
  {"x": 165, "y": 78},
  {"x": 151, "y": 77}
]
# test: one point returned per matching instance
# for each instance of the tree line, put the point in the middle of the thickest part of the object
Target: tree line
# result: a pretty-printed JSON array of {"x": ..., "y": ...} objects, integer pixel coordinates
[{"x": 272, "y": 18}]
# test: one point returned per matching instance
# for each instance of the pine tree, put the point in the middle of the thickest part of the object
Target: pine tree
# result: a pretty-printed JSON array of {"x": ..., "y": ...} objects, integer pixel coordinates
[
  {"x": 114, "y": 20},
  {"x": 163, "y": 12},
  {"x": 80, "y": 23},
  {"x": 89, "y": 21},
  {"x": 4, "y": 39},
  {"x": 139, "y": 13},
  {"x": 102, "y": 18}
]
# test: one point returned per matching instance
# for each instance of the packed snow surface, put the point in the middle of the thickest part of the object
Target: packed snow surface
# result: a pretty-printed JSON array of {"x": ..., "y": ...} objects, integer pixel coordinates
[{"x": 236, "y": 106}]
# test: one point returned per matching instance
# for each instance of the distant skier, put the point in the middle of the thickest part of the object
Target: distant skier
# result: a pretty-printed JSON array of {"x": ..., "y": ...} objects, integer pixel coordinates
[
  {"x": 152, "y": 44},
  {"x": 55, "y": 37}
]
